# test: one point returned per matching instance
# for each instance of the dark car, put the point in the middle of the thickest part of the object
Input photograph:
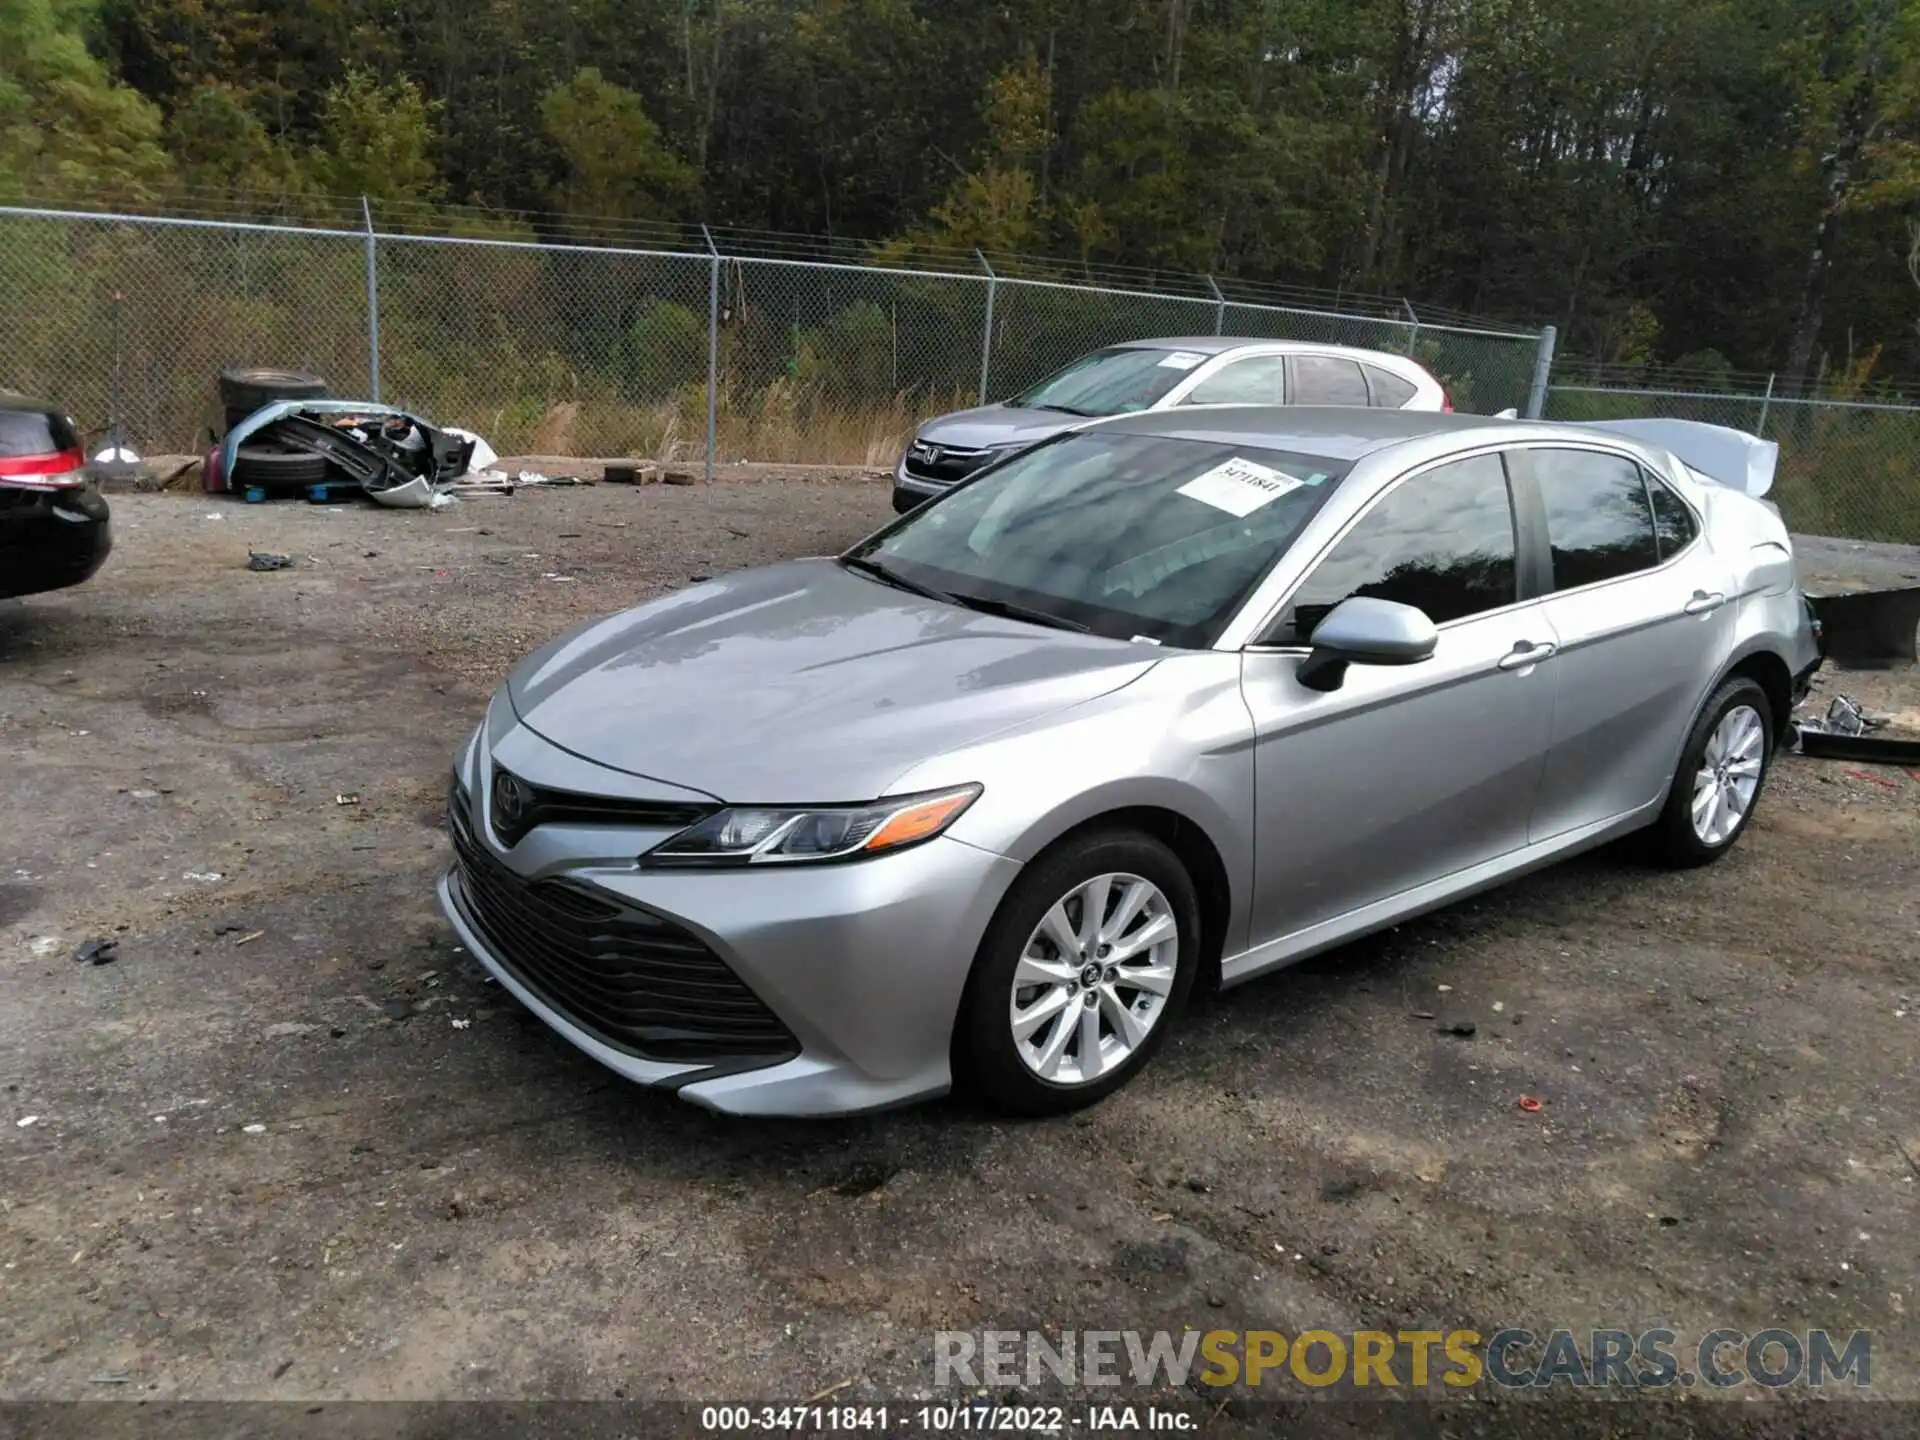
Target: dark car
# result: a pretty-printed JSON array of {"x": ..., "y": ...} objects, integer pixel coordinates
[{"x": 54, "y": 530}]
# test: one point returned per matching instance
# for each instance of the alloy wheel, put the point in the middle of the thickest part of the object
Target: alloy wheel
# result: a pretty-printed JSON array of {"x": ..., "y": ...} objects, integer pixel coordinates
[
  {"x": 1729, "y": 774},
  {"x": 1093, "y": 978}
]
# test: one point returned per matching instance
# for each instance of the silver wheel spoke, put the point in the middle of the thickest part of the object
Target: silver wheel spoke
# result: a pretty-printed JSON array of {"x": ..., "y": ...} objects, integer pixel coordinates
[
  {"x": 1705, "y": 791},
  {"x": 1093, "y": 909},
  {"x": 1125, "y": 1023},
  {"x": 1059, "y": 929},
  {"x": 1154, "y": 979},
  {"x": 1087, "y": 1052},
  {"x": 1046, "y": 1061},
  {"x": 1026, "y": 1021},
  {"x": 1132, "y": 901},
  {"x": 1745, "y": 769},
  {"x": 1032, "y": 970},
  {"x": 1160, "y": 928}
]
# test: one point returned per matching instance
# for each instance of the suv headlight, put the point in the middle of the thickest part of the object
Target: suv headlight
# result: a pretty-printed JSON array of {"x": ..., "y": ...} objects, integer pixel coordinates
[{"x": 755, "y": 835}]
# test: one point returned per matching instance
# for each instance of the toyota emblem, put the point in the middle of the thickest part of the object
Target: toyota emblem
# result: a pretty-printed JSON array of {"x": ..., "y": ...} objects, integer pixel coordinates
[{"x": 511, "y": 801}]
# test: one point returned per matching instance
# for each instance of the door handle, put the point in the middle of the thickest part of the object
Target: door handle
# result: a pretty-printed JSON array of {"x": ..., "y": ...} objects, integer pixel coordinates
[
  {"x": 1702, "y": 602},
  {"x": 1527, "y": 653}
]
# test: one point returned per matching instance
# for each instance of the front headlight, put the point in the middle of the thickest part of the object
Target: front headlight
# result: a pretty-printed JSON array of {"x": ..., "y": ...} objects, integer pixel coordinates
[{"x": 766, "y": 836}]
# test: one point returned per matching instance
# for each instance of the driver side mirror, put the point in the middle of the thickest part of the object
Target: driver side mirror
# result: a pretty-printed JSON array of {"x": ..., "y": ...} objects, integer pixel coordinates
[{"x": 1366, "y": 631}]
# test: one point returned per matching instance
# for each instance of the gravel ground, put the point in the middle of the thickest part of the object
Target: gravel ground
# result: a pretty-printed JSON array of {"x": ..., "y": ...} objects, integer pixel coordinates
[{"x": 292, "y": 1146}]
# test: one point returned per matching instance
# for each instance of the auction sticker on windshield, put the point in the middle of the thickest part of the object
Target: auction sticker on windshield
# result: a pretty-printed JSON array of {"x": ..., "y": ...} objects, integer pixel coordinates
[
  {"x": 1239, "y": 487},
  {"x": 1180, "y": 360}
]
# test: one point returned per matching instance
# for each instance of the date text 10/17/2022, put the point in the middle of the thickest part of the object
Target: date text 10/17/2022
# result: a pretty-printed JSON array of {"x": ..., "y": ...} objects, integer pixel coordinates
[{"x": 942, "y": 1418}]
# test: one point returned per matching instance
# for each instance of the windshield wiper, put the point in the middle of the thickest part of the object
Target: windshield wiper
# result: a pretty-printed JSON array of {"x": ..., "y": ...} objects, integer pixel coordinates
[
  {"x": 1010, "y": 611},
  {"x": 1063, "y": 409},
  {"x": 894, "y": 578}
]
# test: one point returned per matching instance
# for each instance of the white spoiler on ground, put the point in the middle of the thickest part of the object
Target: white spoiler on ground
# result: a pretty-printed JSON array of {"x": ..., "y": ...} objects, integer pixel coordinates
[{"x": 1732, "y": 458}]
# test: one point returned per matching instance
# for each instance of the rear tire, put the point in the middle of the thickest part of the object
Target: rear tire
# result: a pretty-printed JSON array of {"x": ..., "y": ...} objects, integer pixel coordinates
[
  {"x": 1723, "y": 769},
  {"x": 1049, "y": 1025}
]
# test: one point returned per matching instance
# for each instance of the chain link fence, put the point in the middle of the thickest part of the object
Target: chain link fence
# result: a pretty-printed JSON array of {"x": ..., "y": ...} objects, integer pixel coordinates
[
  {"x": 1847, "y": 467},
  {"x": 607, "y": 349}
]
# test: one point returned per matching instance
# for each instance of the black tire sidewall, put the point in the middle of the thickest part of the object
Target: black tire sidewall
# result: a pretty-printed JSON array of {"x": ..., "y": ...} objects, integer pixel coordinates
[
  {"x": 1680, "y": 844},
  {"x": 985, "y": 1055},
  {"x": 278, "y": 467}
]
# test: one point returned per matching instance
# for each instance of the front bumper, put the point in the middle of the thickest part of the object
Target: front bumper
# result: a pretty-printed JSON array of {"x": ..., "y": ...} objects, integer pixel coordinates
[
  {"x": 51, "y": 539},
  {"x": 911, "y": 491},
  {"x": 863, "y": 963}
]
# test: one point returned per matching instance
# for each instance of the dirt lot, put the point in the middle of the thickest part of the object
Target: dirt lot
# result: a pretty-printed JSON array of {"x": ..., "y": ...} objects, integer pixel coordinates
[{"x": 292, "y": 1145}]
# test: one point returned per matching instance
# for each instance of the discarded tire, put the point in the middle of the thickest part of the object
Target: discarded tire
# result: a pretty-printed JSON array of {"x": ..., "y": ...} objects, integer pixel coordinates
[
  {"x": 245, "y": 388},
  {"x": 269, "y": 467}
]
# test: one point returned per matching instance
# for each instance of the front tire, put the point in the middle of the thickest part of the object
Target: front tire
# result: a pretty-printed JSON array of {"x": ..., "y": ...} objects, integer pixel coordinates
[
  {"x": 1722, "y": 770},
  {"x": 1082, "y": 973}
]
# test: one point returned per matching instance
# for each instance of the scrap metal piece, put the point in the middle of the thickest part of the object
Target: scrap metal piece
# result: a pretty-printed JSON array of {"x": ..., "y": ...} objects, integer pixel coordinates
[{"x": 1870, "y": 629}]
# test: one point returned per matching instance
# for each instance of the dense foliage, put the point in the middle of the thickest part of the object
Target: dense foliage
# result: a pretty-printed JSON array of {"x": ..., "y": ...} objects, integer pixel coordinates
[{"x": 1719, "y": 182}]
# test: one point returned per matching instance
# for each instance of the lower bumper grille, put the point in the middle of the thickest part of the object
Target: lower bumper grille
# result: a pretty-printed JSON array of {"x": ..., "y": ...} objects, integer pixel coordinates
[{"x": 632, "y": 979}]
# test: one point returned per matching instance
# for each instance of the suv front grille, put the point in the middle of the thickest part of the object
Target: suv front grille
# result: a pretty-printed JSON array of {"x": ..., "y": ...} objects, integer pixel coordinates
[
  {"x": 943, "y": 464},
  {"x": 632, "y": 979}
]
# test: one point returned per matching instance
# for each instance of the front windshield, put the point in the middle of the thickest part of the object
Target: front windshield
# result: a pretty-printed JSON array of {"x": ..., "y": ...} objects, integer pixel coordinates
[
  {"x": 1112, "y": 382},
  {"x": 1131, "y": 536}
]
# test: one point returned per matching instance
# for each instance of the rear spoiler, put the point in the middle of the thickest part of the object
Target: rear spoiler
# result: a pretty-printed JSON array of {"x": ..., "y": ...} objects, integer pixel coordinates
[{"x": 1731, "y": 458}]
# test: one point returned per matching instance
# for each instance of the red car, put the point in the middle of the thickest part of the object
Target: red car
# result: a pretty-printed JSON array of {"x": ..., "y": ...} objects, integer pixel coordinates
[{"x": 54, "y": 529}]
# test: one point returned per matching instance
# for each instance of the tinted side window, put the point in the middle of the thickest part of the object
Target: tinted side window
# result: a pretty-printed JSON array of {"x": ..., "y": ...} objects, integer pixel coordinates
[
  {"x": 1442, "y": 541},
  {"x": 1672, "y": 521},
  {"x": 1327, "y": 380},
  {"x": 1390, "y": 392},
  {"x": 1598, "y": 519},
  {"x": 1257, "y": 380}
]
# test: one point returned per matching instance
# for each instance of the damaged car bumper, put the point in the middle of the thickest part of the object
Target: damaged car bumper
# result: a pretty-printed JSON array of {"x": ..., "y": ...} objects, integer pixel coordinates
[
  {"x": 803, "y": 991},
  {"x": 387, "y": 452},
  {"x": 51, "y": 538}
]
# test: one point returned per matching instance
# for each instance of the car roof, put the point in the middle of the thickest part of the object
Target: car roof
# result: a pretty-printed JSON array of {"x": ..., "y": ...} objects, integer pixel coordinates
[
  {"x": 1225, "y": 344},
  {"x": 1337, "y": 432},
  {"x": 12, "y": 400}
]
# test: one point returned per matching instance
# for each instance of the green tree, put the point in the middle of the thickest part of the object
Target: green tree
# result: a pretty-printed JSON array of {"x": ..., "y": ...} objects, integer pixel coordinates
[
  {"x": 66, "y": 125},
  {"x": 377, "y": 140},
  {"x": 616, "y": 165},
  {"x": 217, "y": 142}
]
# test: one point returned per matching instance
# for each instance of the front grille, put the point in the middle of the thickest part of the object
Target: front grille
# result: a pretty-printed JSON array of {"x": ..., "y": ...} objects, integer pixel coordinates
[
  {"x": 632, "y": 979},
  {"x": 541, "y": 805},
  {"x": 942, "y": 464}
]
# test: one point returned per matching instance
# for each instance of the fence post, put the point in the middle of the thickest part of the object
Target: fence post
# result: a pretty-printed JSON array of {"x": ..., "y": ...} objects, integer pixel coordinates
[
  {"x": 713, "y": 351},
  {"x": 1413, "y": 319},
  {"x": 373, "y": 303},
  {"x": 1219, "y": 306},
  {"x": 1542, "y": 368},
  {"x": 986, "y": 342},
  {"x": 1765, "y": 401}
]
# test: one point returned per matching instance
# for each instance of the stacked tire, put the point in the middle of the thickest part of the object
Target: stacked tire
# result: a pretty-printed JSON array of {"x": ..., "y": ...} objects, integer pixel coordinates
[{"x": 264, "y": 465}]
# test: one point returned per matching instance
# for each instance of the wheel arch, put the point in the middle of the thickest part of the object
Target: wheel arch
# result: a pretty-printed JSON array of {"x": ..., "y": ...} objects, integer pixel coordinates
[
  {"x": 1771, "y": 673},
  {"x": 1198, "y": 852}
]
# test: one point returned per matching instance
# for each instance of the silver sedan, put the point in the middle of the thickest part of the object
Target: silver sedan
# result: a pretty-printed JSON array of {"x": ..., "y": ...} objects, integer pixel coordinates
[{"x": 1171, "y": 700}]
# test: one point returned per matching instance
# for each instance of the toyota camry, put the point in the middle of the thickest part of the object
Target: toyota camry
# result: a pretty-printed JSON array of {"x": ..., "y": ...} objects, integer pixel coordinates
[{"x": 1168, "y": 701}]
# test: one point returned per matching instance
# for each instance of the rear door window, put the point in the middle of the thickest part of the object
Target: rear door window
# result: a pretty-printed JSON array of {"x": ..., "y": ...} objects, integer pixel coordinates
[
  {"x": 1442, "y": 541},
  {"x": 31, "y": 432},
  {"x": 1256, "y": 380},
  {"x": 1672, "y": 521},
  {"x": 1599, "y": 519},
  {"x": 1328, "y": 380},
  {"x": 1390, "y": 391}
]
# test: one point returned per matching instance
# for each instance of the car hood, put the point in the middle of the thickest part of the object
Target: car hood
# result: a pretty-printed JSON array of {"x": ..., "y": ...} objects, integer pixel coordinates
[
  {"x": 801, "y": 682},
  {"x": 995, "y": 425}
]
